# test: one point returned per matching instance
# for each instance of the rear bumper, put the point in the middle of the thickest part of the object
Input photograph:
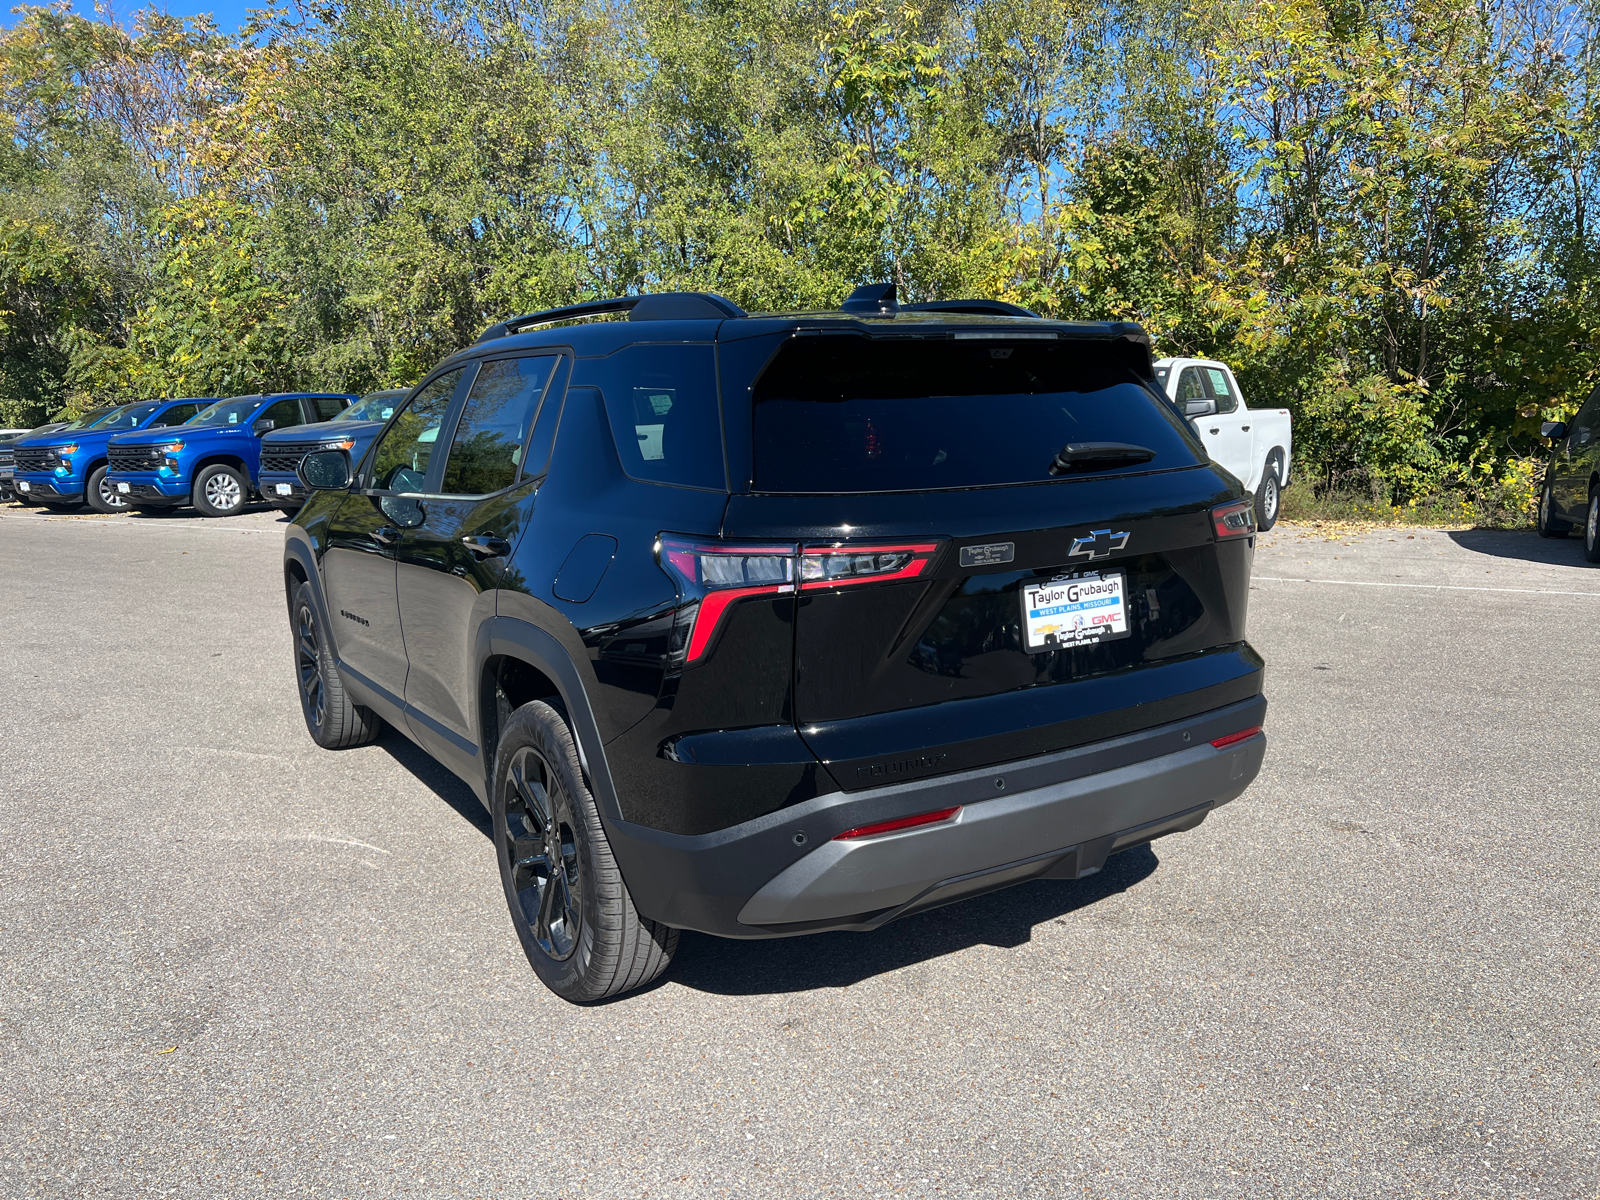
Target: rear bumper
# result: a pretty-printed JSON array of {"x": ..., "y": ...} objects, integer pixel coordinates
[{"x": 1058, "y": 816}]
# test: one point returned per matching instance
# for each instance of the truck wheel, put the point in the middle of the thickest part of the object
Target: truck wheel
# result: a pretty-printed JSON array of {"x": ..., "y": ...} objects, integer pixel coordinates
[
  {"x": 1268, "y": 497},
  {"x": 1547, "y": 524},
  {"x": 570, "y": 908},
  {"x": 1591, "y": 530},
  {"x": 101, "y": 496},
  {"x": 220, "y": 491},
  {"x": 334, "y": 721}
]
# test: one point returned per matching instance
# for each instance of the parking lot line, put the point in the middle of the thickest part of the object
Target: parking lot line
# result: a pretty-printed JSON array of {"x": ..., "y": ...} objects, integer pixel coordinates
[{"x": 1431, "y": 587}]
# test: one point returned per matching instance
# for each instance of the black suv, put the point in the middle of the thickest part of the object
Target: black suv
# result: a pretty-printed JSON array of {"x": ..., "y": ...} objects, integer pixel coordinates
[{"x": 768, "y": 624}]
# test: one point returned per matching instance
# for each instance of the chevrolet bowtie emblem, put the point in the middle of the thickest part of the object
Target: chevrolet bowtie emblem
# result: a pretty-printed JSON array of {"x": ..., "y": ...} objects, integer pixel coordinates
[{"x": 1099, "y": 544}]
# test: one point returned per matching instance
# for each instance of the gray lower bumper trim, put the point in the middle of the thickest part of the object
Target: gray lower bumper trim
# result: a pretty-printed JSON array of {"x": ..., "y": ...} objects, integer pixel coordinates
[{"x": 1002, "y": 837}]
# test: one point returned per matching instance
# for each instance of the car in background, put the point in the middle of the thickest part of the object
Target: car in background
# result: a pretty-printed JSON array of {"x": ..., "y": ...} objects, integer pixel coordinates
[
  {"x": 213, "y": 461},
  {"x": 352, "y": 431},
  {"x": 68, "y": 466},
  {"x": 1253, "y": 443},
  {"x": 1571, "y": 492},
  {"x": 7, "y": 438}
]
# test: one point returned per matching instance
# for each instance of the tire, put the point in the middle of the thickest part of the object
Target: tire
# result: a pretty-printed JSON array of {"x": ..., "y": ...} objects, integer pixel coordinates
[
  {"x": 100, "y": 496},
  {"x": 334, "y": 721},
  {"x": 1546, "y": 522},
  {"x": 1591, "y": 529},
  {"x": 1269, "y": 497},
  {"x": 577, "y": 923},
  {"x": 220, "y": 491}
]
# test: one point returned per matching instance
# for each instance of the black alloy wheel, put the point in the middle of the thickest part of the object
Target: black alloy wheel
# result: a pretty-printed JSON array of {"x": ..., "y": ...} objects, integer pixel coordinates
[
  {"x": 308, "y": 667},
  {"x": 333, "y": 720},
  {"x": 570, "y": 906},
  {"x": 541, "y": 851}
]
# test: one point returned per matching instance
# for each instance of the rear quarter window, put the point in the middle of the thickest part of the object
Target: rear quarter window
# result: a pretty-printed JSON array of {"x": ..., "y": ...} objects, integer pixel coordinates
[
  {"x": 854, "y": 414},
  {"x": 662, "y": 405}
]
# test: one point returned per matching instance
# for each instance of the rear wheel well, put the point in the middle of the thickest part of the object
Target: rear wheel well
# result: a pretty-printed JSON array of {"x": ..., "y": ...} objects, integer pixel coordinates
[{"x": 507, "y": 684}]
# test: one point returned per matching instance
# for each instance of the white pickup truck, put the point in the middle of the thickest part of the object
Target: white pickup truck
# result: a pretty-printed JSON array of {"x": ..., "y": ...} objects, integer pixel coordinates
[{"x": 1252, "y": 443}]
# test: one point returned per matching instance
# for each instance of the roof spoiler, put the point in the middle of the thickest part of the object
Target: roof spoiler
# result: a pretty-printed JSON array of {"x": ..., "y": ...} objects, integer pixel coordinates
[{"x": 660, "y": 306}]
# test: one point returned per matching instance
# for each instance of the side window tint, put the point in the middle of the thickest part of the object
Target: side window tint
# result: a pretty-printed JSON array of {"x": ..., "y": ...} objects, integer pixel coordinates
[
  {"x": 328, "y": 407},
  {"x": 487, "y": 448},
  {"x": 285, "y": 414},
  {"x": 1189, "y": 386},
  {"x": 176, "y": 415},
  {"x": 1584, "y": 424},
  {"x": 662, "y": 403},
  {"x": 400, "y": 459},
  {"x": 548, "y": 420}
]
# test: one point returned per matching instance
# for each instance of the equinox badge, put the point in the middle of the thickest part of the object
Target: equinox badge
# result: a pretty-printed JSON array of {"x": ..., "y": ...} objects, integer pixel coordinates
[{"x": 1099, "y": 544}]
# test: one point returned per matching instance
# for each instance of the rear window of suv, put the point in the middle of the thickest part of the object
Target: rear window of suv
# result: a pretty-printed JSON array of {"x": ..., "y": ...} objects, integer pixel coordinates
[{"x": 854, "y": 414}]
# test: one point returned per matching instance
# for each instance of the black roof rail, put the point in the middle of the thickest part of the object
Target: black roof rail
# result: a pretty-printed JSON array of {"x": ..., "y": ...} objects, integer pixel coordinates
[
  {"x": 976, "y": 308},
  {"x": 658, "y": 306}
]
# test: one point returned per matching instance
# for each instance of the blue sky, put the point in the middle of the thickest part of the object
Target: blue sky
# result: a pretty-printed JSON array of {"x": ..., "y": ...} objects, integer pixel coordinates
[{"x": 230, "y": 14}]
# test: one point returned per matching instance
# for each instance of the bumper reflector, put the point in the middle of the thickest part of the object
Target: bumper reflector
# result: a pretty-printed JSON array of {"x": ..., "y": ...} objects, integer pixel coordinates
[
  {"x": 1222, "y": 742},
  {"x": 899, "y": 823}
]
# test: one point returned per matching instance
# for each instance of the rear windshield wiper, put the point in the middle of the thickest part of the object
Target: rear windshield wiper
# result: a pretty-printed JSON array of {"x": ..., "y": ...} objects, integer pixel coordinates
[{"x": 1085, "y": 456}]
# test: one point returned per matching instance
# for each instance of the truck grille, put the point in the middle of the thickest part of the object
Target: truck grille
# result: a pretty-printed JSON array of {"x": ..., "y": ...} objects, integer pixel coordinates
[
  {"x": 32, "y": 460},
  {"x": 286, "y": 456},
  {"x": 7, "y": 457},
  {"x": 134, "y": 458}
]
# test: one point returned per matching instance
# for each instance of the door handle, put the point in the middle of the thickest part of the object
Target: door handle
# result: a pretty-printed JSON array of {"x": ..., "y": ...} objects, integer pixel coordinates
[
  {"x": 488, "y": 546},
  {"x": 1216, "y": 431},
  {"x": 385, "y": 534},
  {"x": 1246, "y": 428}
]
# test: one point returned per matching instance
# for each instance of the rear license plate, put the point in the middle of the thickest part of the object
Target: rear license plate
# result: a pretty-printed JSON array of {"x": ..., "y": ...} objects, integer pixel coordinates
[
  {"x": 285, "y": 490},
  {"x": 123, "y": 488},
  {"x": 1074, "y": 610}
]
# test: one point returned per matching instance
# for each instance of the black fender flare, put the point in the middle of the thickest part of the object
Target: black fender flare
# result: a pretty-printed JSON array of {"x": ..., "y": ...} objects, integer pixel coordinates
[{"x": 539, "y": 648}]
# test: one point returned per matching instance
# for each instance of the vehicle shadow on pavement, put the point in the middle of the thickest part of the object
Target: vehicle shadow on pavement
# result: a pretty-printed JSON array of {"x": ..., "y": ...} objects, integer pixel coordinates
[
  {"x": 1522, "y": 544},
  {"x": 1006, "y": 918},
  {"x": 438, "y": 780}
]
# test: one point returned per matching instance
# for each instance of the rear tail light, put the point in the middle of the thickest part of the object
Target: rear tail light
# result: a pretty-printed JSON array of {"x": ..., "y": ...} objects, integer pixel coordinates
[
  {"x": 1235, "y": 519},
  {"x": 713, "y": 575},
  {"x": 842, "y": 564},
  {"x": 899, "y": 823},
  {"x": 1223, "y": 742}
]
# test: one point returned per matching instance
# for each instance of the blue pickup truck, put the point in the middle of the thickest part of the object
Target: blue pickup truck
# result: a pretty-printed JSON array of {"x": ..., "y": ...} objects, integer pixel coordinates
[
  {"x": 214, "y": 460},
  {"x": 67, "y": 466},
  {"x": 351, "y": 431}
]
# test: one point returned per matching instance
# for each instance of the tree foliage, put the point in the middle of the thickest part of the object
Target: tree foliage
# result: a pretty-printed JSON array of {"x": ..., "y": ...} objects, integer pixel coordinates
[{"x": 1378, "y": 212}]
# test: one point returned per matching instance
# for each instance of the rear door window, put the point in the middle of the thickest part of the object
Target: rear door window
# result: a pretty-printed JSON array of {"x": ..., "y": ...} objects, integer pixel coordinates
[
  {"x": 490, "y": 436},
  {"x": 662, "y": 404},
  {"x": 853, "y": 414}
]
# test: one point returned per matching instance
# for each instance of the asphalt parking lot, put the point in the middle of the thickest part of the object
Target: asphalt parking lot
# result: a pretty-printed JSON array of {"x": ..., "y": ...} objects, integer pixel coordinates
[{"x": 234, "y": 964}]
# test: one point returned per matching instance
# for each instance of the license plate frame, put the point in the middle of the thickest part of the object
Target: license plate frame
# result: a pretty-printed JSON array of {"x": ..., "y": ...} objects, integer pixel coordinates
[
  {"x": 283, "y": 489},
  {"x": 1073, "y": 610},
  {"x": 124, "y": 489}
]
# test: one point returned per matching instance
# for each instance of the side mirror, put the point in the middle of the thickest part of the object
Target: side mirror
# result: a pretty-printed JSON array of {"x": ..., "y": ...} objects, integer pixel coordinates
[
  {"x": 325, "y": 470},
  {"x": 264, "y": 426},
  {"x": 1199, "y": 408},
  {"x": 1553, "y": 429}
]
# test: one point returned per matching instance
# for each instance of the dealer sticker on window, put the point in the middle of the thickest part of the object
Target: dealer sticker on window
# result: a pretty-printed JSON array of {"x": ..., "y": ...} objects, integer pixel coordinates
[{"x": 1074, "y": 610}]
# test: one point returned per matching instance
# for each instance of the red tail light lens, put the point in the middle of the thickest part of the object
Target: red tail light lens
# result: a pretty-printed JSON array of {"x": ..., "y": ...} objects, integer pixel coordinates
[
  {"x": 713, "y": 575},
  {"x": 842, "y": 564},
  {"x": 927, "y": 818},
  {"x": 1223, "y": 742},
  {"x": 1235, "y": 519}
]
